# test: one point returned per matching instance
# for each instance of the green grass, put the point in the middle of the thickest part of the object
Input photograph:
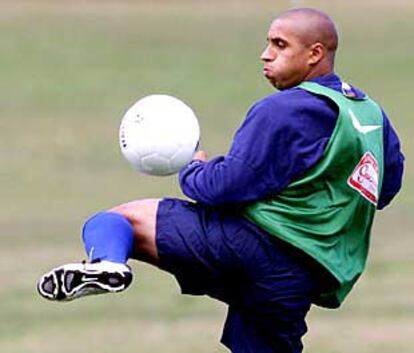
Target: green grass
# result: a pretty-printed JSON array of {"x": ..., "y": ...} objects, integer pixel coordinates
[{"x": 67, "y": 74}]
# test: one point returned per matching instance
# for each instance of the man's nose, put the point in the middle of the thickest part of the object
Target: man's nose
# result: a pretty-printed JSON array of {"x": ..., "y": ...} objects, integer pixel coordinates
[{"x": 267, "y": 54}]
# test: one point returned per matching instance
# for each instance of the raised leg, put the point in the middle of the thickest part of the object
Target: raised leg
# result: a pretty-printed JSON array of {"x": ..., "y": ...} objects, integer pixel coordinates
[
  {"x": 111, "y": 238},
  {"x": 142, "y": 215}
]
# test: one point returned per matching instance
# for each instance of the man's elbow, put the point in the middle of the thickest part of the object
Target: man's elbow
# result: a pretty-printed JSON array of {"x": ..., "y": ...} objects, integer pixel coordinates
[{"x": 386, "y": 198}]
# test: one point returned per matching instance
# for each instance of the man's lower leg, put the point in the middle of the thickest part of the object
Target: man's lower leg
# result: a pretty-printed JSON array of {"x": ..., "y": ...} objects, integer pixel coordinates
[{"x": 109, "y": 241}]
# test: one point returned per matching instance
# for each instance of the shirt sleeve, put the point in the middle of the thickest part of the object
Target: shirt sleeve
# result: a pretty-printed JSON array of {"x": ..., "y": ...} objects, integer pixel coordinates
[
  {"x": 278, "y": 141},
  {"x": 393, "y": 165}
]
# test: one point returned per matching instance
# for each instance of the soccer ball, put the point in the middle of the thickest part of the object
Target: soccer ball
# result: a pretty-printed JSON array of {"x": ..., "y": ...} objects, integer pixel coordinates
[{"x": 159, "y": 135}]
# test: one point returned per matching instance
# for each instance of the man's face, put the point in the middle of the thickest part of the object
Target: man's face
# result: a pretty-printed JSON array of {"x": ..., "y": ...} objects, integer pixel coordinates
[{"x": 286, "y": 57}]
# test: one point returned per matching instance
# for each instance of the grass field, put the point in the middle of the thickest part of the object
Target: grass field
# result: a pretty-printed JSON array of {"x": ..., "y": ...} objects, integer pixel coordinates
[{"x": 68, "y": 70}]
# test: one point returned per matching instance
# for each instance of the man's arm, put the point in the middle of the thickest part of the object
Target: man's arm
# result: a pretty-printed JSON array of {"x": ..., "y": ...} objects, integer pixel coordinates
[
  {"x": 278, "y": 141},
  {"x": 222, "y": 180},
  {"x": 393, "y": 165}
]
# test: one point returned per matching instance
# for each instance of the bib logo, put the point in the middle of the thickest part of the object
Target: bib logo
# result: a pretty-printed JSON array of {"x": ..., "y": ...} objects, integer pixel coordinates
[{"x": 364, "y": 178}]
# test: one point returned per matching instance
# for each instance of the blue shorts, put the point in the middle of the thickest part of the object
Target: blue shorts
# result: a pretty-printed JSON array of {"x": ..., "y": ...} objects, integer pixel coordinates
[{"x": 266, "y": 283}]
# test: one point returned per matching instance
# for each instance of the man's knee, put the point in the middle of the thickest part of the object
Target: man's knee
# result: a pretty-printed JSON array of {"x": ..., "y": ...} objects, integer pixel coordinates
[
  {"x": 142, "y": 215},
  {"x": 138, "y": 212}
]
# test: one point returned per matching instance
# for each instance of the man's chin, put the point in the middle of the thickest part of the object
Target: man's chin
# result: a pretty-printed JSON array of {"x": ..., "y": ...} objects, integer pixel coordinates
[
  {"x": 281, "y": 86},
  {"x": 276, "y": 84},
  {"x": 272, "y": 81}
]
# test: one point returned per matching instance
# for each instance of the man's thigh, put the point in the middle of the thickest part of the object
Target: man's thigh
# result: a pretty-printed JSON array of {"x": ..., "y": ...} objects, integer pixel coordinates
[
  {"x": 192, "y": 243},
  {"x": 202, "y": 246}
]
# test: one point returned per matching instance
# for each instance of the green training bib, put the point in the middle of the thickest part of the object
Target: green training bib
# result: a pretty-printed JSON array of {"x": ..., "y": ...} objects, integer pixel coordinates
[{"x": 328, "y": 211}]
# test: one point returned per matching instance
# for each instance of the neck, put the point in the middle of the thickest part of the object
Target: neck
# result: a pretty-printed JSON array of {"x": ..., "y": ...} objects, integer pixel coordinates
[{"x": 320, "y": 70}]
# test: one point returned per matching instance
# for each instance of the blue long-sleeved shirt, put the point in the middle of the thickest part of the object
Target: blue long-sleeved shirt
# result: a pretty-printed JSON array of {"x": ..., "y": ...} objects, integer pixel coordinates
[{"x": 282, "y": 136}]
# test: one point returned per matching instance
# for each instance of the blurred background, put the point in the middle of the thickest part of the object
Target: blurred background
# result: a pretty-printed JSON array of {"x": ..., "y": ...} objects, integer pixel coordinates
[{"x": 69, "y": 70}]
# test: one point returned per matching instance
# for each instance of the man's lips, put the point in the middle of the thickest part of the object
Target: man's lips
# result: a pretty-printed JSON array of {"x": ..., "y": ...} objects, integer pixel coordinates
[{"x": 266, "y": 71}]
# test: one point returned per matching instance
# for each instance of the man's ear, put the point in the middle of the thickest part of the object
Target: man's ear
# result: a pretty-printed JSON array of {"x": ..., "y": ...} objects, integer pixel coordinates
[{"x": 316, "y": 53}]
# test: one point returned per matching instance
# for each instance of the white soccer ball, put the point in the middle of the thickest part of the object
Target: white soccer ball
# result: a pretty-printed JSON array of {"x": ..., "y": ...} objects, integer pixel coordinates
[{"x": 159, "y": 135}]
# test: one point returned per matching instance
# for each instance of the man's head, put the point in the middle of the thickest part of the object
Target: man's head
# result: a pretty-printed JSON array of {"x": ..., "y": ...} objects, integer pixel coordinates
[{"x": 301, "y": 45}]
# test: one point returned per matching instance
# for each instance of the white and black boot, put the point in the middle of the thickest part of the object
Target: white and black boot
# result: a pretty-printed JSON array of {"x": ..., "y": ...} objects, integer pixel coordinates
[{"x": 76, "y": 280}]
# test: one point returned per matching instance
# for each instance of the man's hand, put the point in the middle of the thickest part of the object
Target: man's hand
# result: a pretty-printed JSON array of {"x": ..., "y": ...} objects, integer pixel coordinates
[{"x": 201, "y": 156}]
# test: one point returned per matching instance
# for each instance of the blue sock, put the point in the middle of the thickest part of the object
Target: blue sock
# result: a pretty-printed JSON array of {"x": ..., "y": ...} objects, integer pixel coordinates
[{"x": 108, "y": 236}]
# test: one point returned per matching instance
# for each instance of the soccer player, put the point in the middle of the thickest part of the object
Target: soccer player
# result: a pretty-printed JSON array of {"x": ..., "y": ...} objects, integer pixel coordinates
[{"x": 282, "y": 221}]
